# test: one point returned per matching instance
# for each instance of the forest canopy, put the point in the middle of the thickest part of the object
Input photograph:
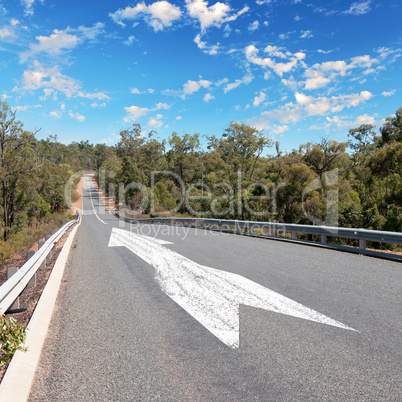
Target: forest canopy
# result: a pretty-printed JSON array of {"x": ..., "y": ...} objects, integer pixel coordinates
[{"x": 240, "y": 174}]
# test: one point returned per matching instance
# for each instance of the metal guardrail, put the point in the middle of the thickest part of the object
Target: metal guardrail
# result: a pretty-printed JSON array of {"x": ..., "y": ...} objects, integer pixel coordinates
[
  {"x": 13, "y": 287},
  {"x": 280, "y": 230}
]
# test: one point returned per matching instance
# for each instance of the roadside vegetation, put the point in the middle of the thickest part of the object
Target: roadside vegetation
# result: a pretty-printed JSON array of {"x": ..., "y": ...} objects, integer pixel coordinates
[
  {"x": 240, "y": 174},
  {"x": 244, "y": 175},
  {"x": 33, "y": 175},
  {"x": 12, "y": 337}
]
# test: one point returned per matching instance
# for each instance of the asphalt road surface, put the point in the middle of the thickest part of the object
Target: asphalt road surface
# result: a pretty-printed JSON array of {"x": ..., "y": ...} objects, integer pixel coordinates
[{"x": 124, "y": 330}]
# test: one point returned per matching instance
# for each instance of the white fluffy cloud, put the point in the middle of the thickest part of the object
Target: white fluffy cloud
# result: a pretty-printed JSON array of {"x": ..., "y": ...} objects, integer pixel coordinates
[
  {"x": 279, "y": 129},
  {"x": 5, "y": 33},
  {"x": 302, "y": 99},
  {"x": 259, "y": 99},
  {"x": 163, "y": 14},
  {"x": 261, "y": 123},
  {"x": 364, "y": 119},
  {"x": 193, "y": 86},
  {"x": 155, "y": 122},
  {"x": 53, "y": 45},
  {"x": 24, "y": 108},
  {"x": 208, "y": 97},
  {"x": 160, "y": 106},
  {"x": 273, "y": 51},
  {"x": 41, "y": 77},
  {"x": 158, "y": 15},
  {"x": 289, "y": 113},
  {"x": 134, "y": 113},
  {"x": 190, "y": 87},
  {"x": 214, "y": 15},
  {"x": 388, "y": 93},
  {"x": 306, "y": 34},
  {"x": 130, "y": 40},
  {"x": 321, "y": 74},
  {"x": 232, "y": 85},
  {"x": 96, "y": 105},
  {"x": 62, "y": 40},
  {"x": 306, "y": 106},
  {"x": 254, "y": 26},
  {"x": 76, "y": 116},
  {"x": 359, "y": 8},
  {"x": 209, "y": 49},
  {"x": 345, "y": 123},
  {"x": 315, "y": 79},
  {"x": 52, "y": 79},
  {"x": 322, "y": 105},
  {"x": 136, "y": 91},
  {"x": 28, "y": 4},
  {"x": 56, "y": 114},
  {"x": 91, "y": 33}
]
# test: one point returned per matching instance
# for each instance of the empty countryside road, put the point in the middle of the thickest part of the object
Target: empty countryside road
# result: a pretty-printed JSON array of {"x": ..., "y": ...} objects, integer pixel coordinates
[{"x": 119, "y": 334}]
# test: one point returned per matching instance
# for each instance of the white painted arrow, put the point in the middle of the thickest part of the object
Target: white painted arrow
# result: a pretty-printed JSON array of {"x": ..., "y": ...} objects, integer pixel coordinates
[{"x": 211, "y": 296}]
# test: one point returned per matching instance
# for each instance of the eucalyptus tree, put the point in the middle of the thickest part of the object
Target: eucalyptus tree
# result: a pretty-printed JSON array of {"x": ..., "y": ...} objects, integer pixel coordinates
[
  {"x": 182, "y": 153},
  {"x": 182, "y": 159},
  {"x": 18, "y": 160},
  {"x": 391, "y": 130},
  {"x": 324, "y": 156},
  {"x": 240, "y": 147}
]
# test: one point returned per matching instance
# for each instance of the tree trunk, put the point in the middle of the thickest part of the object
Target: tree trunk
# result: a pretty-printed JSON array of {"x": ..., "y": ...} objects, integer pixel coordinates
[{"x": 6, "y": 234}]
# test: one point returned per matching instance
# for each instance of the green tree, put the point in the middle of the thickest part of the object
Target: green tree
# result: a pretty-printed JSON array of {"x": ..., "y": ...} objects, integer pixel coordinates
[
  {"x": 17, "y": 164},
  {"x": 324, "y": 156},
  {"x": 362, "y": 141},
  {"x": 240, "y": 148},
  {"x": 182, "y": 158},
  {"x": 391, "y": 131}
]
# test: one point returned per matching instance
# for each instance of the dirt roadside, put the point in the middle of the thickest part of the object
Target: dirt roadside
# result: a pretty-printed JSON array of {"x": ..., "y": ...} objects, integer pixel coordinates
[
  {"x": 77, "y": 205},
  {"x": 109, "y": 201}
]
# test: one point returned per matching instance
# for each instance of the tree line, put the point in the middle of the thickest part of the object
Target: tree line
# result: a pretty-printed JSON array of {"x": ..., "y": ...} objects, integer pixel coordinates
[
  {"x": 241, "y": 174},
  {"x": 33, "y": 174},
  {"x": 244, "y": 175}
]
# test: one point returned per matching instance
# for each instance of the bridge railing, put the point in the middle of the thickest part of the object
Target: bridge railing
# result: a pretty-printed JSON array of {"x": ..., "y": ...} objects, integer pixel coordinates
[
  {"x": 286, "y": 231},
  {"x": 13, "y": 287}
]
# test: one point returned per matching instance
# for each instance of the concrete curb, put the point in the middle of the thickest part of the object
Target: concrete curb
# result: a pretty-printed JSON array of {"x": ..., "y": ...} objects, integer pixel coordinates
[{"x": 18, "y": 379}]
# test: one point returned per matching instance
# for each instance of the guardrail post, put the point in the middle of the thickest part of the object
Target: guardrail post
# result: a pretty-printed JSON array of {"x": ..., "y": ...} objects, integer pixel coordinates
[
  {"x": 10, "y": 272},
  {"x": 43, "y": 265},
  {"x": 362, "y": 244},
  {"x": 32, "y": 282},
  {"x": 293, "y": 235},
  {"x": 323, "y": 238}
]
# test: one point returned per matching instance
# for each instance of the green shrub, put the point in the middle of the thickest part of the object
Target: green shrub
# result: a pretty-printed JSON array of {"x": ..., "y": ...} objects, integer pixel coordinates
[{"x": 12, "y": 336}]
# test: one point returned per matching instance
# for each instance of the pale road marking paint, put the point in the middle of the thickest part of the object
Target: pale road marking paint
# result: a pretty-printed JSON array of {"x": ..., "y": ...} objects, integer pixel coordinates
[
  {"x": 211, "y": 296},
  {"x": 92, "y": 203}
]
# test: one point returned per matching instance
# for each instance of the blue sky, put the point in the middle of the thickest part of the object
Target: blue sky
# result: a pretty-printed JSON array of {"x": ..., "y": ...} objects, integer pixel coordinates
[{"x": 298, "y": 70}]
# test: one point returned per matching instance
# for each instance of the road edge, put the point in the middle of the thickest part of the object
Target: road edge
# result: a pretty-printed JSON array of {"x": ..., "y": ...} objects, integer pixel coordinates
[{"x": 18, "y": 379}]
